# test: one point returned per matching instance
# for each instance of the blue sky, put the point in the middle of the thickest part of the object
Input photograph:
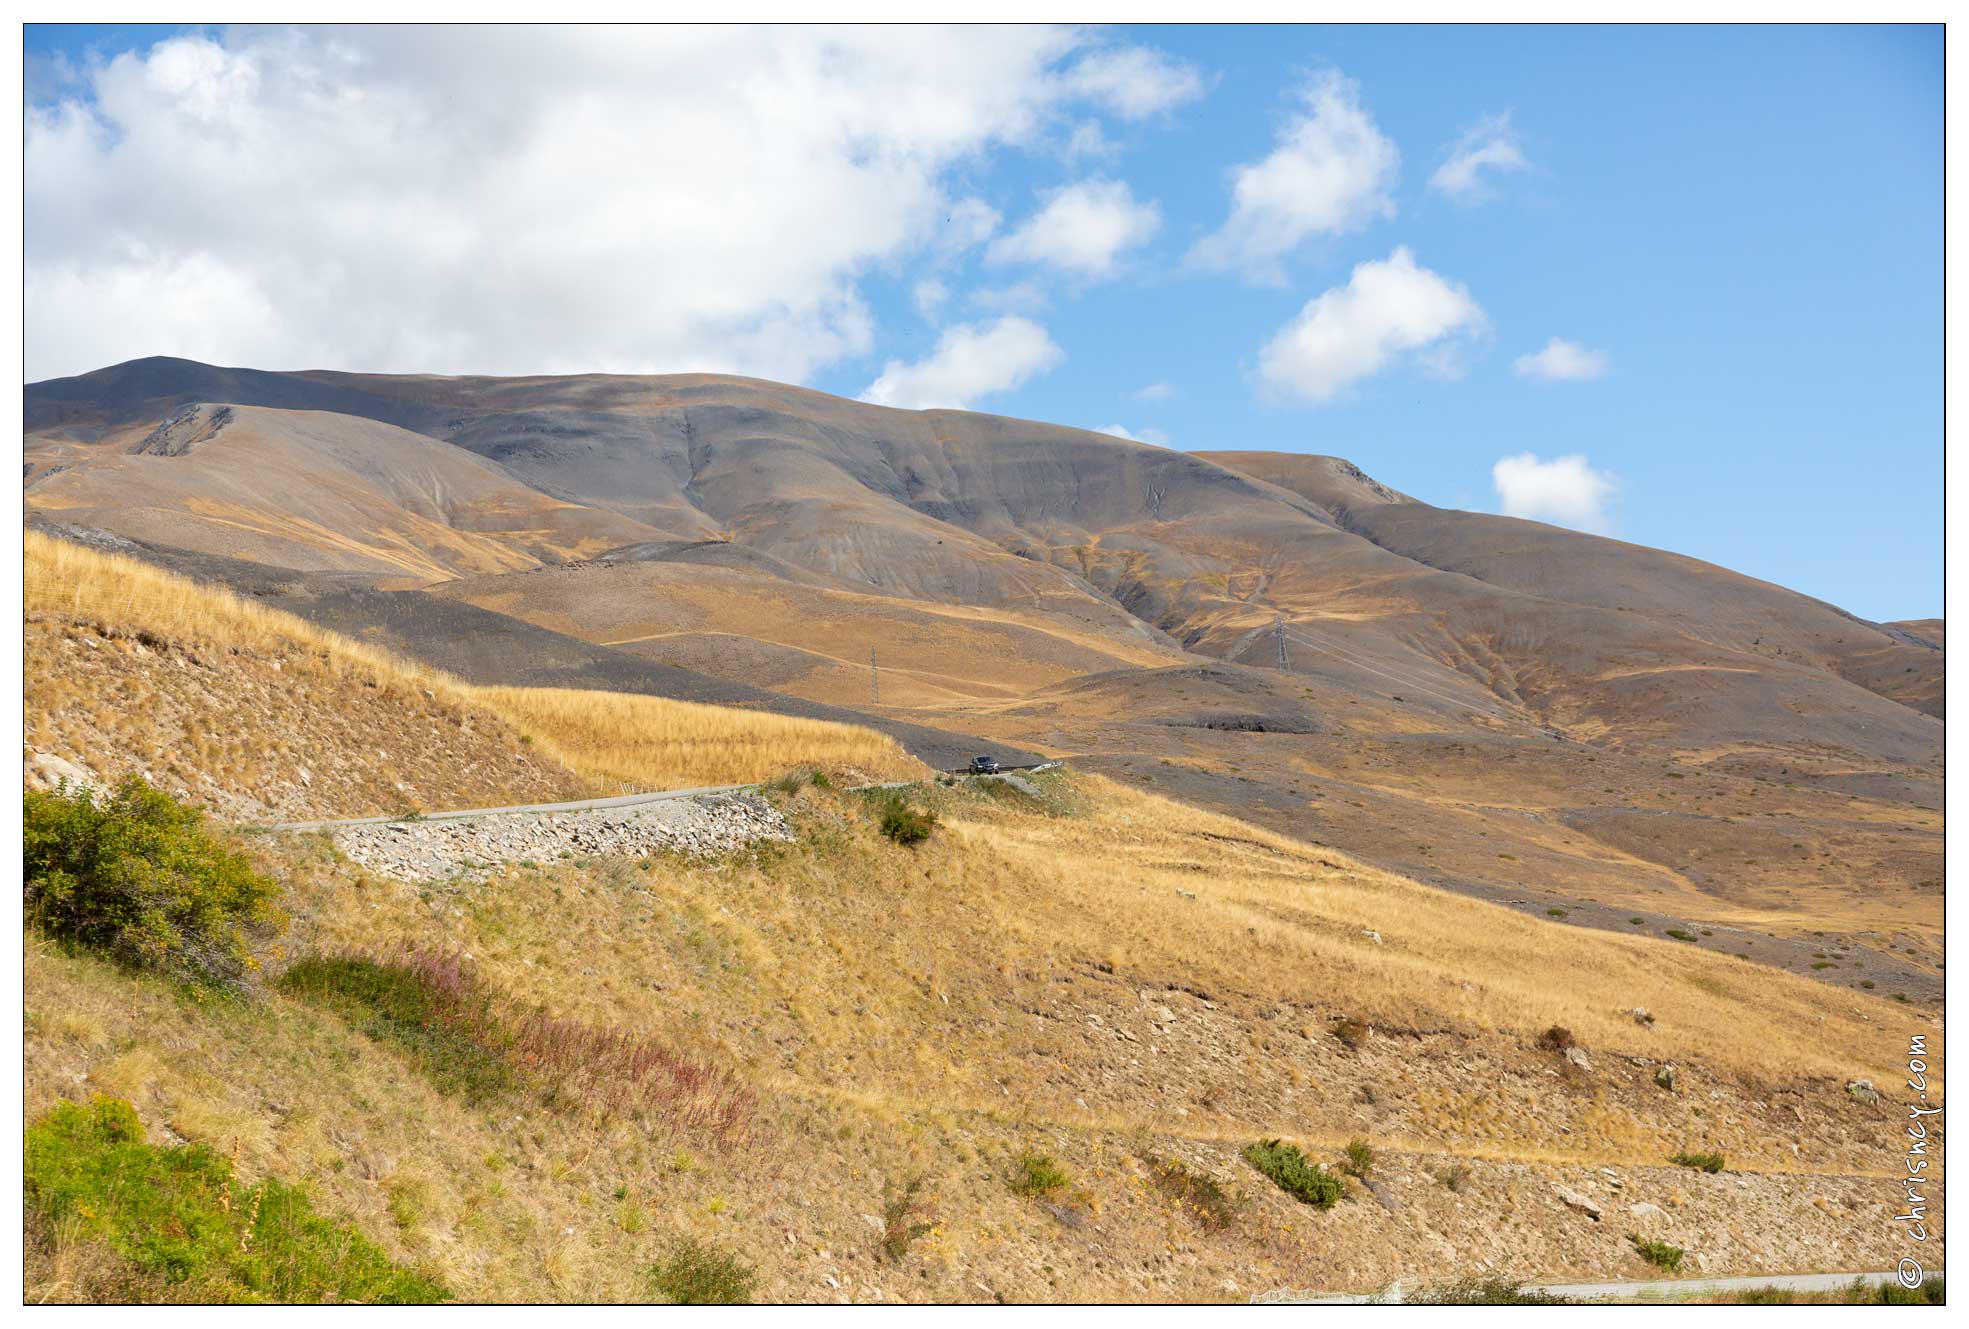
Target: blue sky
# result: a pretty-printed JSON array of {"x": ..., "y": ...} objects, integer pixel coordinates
[{"x": 1736, "y": 231}]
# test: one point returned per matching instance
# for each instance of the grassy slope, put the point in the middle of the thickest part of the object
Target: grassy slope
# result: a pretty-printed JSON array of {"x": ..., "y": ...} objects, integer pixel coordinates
[
  {"x": 1092, "y": 975},
  {"x": 131, "y": 668},
  {"x": 1028, "y": 979}
]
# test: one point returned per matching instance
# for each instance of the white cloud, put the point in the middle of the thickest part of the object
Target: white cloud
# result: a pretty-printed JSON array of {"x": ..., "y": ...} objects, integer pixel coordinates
[
  {"x": 1082, "y": 229},
  {"x": 1021, "y": 297},
  {"x": 971, "y": 361},
  {"x": 1155, "y": 392},
  {"x": 526, "y": 200},
  {"x": 1143, "y": 435},
  {"x": 1565, "y": 491},
  {"x": 1561, "y": 361},
  {"x": 929, "y": 296},
  {"x": 1088, "y": 142},
  {"x": 1491, "y": 144},
  {"x": 1389, "y": 307},
  {"x": 967, "y": 223},
  {"x": 1134, "y": 81},
  {"x": 1331, "y": 173}
]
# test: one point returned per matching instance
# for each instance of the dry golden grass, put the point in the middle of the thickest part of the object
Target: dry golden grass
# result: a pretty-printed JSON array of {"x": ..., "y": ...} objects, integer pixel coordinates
[
  {"x": 1096, "y": 975},
  {"x": 603, "y": 740},
  {"x": 1000, "y": 988},
  {"x": 653, "y": 742},
  {"x": 65, "y": 579}
]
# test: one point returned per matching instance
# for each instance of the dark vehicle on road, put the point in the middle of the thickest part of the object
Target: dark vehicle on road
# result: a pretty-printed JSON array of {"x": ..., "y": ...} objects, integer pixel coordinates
[{"x": 984, "y": 765}]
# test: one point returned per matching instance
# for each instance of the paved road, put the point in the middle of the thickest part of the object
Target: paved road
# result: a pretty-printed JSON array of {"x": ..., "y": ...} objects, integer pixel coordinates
[{"x": 1666, "y": 1289}]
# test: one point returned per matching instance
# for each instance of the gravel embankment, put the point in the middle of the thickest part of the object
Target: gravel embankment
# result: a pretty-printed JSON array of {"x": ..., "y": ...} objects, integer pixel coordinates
[{"x": 423, "y": 850}]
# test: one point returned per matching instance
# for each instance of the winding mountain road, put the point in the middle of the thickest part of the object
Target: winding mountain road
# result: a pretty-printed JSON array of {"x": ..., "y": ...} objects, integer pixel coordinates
[
  {"x": 594, "y": 804},
  {"x": 578, "y": 805}
]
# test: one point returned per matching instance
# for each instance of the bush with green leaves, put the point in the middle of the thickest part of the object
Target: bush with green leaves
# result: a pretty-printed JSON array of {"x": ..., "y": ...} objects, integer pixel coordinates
[
  {"x": 1360, "y": 1158},
  {"x": 1035, "y": 1175},
  {"x": 904, "y": 824},
  {"x": 175, "y": 1225},
  {"x": 1700, "y": 1162},
  {"x": 136, "y": 875},
  {"x": 1659, "y": 1253},
  {"x": 697, "y": 1273},
  {"x": 1306, "y": 1182}
]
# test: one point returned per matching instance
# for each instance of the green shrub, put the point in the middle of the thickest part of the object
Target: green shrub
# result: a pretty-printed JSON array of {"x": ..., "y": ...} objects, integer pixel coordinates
[
  {"x": 1681, "y": 935},
  {"x": 788, "y": 784},
  {"x": 1556, "y": 912},
  {"x": 1454, "y": 1177},
  {"x": 1701, "y": 1162},
  {"x": 136, "y": 875},
  {"x": 821, "y": 781},
  {"x": 186, "y": 1229},
  {"x": 1360, "y": 1158},
  {"x": 1195, "y": 1194},
  {"x": 696, "y": 1273},
  {"x": 904, "y": 824},
  {"x": 1308, "y": 1183},
  {"x": 1035, "y": 1175},
  {"x": 1659, "y": 1253},
  {"x": 1490, "y": 1292}
]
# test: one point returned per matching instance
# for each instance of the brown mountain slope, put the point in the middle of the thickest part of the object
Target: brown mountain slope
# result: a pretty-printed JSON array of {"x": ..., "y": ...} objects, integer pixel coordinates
[
  {"x": 1571, "y": 689},
  {"x": 314, "y": 490}
]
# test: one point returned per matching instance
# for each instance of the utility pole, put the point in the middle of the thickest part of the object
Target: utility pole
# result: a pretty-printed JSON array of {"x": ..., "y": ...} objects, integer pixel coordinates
[{"x": 874, "y": 680}]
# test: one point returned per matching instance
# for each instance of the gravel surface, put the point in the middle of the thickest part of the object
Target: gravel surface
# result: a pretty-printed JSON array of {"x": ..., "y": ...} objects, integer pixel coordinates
[{"x": 471, "y": 846}]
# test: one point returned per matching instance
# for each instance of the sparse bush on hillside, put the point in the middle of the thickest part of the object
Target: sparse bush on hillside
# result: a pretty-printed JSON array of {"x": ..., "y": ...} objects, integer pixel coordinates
[
  {"x": 1558, "y": 1038},
  {"x": 904, "y": 824},
  {"x": 1454, "y": 1177},
  {"x": 904, "y": 1218},
  {"x": 1035, "y": 1175},
  {"x": 136, "y": 875},
  {"x": 1360, "y": 1158},
  {"x": 696, "y": 1273},
  {"x": 788, "y": 784},
  {"x": 1658, "y": 1253},
  {"x": 173, "y": 1224},
  {"x": 1700, "y": 1162},
  {"x": 1196, "y": 1194},
  {"x": 1308, "y": 1183}
]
